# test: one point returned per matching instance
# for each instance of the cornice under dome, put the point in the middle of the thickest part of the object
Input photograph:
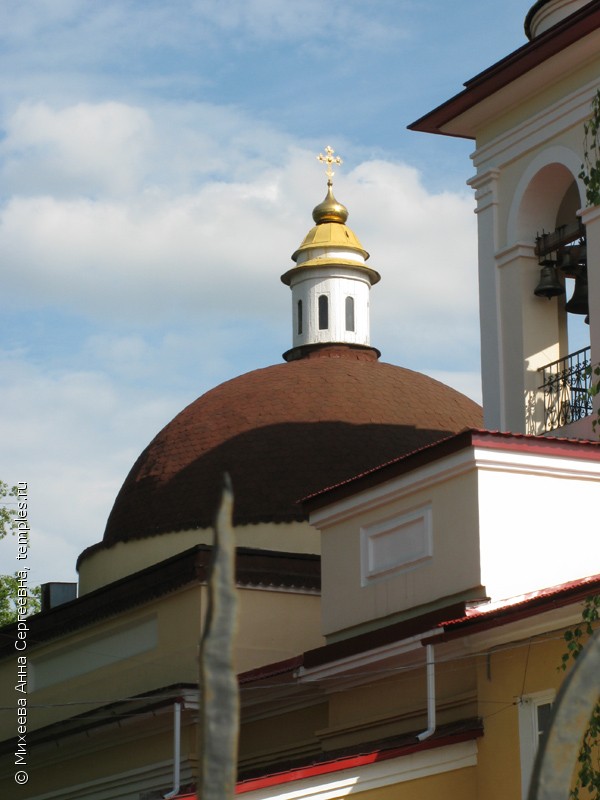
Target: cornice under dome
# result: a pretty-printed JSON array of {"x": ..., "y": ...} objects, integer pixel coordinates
[{"x": 544, "y": 14}]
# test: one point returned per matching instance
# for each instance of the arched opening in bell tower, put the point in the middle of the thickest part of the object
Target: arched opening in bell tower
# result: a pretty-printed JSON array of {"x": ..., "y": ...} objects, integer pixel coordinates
[{"x": 555, "y": 309}]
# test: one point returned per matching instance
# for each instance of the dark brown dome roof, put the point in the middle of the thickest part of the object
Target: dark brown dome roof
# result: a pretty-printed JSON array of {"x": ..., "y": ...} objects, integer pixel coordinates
[{"x": 282, "y": 433}]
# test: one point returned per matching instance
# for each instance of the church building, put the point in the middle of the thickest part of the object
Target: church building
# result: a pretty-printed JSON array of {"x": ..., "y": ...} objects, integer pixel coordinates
[{"x": 407, "y": 565}]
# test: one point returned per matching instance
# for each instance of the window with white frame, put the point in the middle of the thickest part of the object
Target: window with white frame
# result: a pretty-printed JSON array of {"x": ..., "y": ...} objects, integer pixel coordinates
[
  {"x": 323, "y": 305},
  {"x": 535, "y": 711}
]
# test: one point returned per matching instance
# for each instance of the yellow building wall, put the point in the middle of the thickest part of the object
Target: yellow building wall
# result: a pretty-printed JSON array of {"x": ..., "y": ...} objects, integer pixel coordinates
[
  {"x": 507, "y": 673},
  {"x": 67, "y": 690},
  {"x": 272, "y": 626},
  {"x": 126, "y": 745},
  {"x": 284, "y": 736},
  {"x": 276, "y": 625},
  {"x": 124, "y": 558},
  {"x": 398, "y": 704}
]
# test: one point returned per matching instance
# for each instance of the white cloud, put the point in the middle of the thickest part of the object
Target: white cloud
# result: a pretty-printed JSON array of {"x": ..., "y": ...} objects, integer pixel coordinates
[
  {"x": 85, "y": 149},
  {"x": 72, "y": 437},
  {"x": 282, "y": 20},
  {"x": 218, "y": 246}
]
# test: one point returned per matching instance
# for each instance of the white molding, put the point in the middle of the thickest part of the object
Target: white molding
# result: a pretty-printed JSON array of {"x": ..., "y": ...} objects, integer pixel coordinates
[
  {"x": 515, "y": 251},
  {"x": 535, "y": 464},
  {"x": 514, "y": 633},
  {"x": 537, "y": 130},
  {"x": 395, "y": 488},
  {"x": 471, "y": 457},
  {"x": 396, "y": 544},
  {"x": 370, "y": 658},
  {"x": 121, "y": 786},
  {"x": 410, "y": 767},
  {"x": 589, "y": 215},
  {"x": 485, "y": 185}
]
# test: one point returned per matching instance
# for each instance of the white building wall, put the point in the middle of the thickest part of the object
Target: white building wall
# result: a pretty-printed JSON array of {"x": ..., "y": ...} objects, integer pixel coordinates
[{"x": 535, "y": 528}]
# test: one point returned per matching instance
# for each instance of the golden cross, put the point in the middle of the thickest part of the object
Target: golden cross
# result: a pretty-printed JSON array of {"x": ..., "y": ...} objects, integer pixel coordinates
[{"x": 329, "y": 159}]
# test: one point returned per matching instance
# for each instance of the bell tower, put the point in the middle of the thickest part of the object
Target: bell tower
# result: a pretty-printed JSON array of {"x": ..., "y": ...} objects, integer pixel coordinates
[
  {"x": 539, "y": 241},
  {"x": 331, "y": 281}
]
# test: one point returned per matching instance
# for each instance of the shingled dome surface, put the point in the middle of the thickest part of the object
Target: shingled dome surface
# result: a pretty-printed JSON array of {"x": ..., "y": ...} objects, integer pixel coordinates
[{"x": 282, "y": 433}]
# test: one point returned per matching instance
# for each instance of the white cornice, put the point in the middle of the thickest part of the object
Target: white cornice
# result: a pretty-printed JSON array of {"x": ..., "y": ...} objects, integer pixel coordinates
[
  {"x": 515, "y": 251},
  {"x": 368, "y": 660},
  {"x": 515, "y": 633},
  {"x": 485, "y": 185},
  {"x": 536, "y": 131},
  {"x": 419, "y": 478},
  {"x": 536, "y": 464},
  {"x": 590, "y": 214},
  {"x": 449, "y": 467},
  {"x": 155, "y": 777}
]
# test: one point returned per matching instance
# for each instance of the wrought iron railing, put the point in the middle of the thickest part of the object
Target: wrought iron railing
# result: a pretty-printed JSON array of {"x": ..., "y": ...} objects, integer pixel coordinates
[{"x": 566, "y": 386}]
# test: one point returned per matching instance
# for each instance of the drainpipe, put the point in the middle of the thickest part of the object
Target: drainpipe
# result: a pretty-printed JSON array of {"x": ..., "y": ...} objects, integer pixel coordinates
[
  {"x": 430, "y": 695},
  {"x": 176, "y": 751}
]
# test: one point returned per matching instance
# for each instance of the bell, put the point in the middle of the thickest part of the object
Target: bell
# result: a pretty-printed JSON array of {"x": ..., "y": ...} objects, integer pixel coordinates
[
  {"x": 578, "y": 304},
  {"x": 572, "y": 258},
  {"x": 549, "y": 285}
]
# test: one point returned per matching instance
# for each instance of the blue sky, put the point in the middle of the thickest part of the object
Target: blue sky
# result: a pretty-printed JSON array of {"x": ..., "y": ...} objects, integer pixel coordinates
[{"x": 157, "y": 170}]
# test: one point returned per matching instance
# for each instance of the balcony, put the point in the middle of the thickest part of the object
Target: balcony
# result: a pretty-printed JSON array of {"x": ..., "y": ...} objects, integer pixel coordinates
[{"x": 566, "y": 386}]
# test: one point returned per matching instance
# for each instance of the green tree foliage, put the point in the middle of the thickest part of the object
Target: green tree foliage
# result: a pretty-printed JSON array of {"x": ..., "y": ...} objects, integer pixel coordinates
[
  {"x": 587, "y": 784},
  {"x": 590, "y": 169},
  {"x": 8, "y": 594},
  {"x": 7, "y": 519},
  {"x": 8, "y": 583},
  {"x": 590, "y": 175}
]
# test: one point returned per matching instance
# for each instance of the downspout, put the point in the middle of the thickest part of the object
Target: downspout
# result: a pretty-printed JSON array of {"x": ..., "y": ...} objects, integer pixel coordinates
[
  {"x": 430, "y": 695},
  {"x": 176, "y": 751}
]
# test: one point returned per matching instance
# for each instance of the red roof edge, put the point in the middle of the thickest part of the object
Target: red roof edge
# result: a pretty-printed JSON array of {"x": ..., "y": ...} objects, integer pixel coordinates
[
  {"x": 380, "y": 637},
  {"x": 349, "y": 762},
  {"x": 511, "y": 67},
  {"x": 472, "y": 437},
  {"x": 483, "y": 619}
]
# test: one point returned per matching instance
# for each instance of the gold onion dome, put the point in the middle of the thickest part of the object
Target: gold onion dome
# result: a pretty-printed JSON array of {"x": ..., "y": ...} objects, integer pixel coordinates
[
  {"x": 330, "y": 242},
  {"x": 330, "y": 210},
  {"x": 329, "y": 232}
]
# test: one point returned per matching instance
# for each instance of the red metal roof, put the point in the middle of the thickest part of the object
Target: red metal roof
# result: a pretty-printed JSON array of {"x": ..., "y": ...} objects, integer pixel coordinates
[
  {"x": 512, "y": 609},
  {"x": 498, "y": 440},
  {"x": 450, "y": 734}
]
